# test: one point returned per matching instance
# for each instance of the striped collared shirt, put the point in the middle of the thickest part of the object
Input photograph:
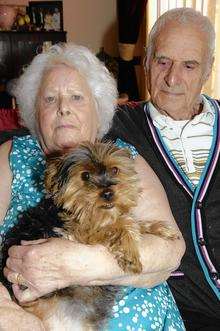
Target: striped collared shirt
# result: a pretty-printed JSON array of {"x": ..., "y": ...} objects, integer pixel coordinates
[{"x": 188, "y": 141}]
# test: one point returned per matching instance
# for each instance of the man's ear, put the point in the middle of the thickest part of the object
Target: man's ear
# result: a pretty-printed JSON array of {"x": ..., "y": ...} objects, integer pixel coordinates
[{"x": 209, "y": 69}]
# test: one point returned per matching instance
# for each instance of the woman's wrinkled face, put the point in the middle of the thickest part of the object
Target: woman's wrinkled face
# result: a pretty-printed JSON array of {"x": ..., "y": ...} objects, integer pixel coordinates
[{"x": 66, "y": 111}]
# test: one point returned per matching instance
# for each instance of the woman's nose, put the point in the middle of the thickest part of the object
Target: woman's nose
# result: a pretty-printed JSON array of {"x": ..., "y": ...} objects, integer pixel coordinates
[
  {"x": 64, "y": 108},
  {"x": 173, "y": 76}
]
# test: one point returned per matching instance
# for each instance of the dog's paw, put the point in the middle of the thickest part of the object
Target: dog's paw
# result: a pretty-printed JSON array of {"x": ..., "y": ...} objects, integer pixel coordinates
[
  {"x": 131, "y": 266},
  {"x": 63, "y": 233},
  {"x": 160, "y": 229},
  {"x": 129, "y": 261}
]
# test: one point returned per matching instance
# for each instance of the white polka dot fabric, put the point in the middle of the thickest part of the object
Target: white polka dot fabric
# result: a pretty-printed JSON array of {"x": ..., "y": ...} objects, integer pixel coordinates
[
  {"x": 27, "y": 165},
  {"x": 145, "y": 310},
  {"x": 137, "y": 309}
]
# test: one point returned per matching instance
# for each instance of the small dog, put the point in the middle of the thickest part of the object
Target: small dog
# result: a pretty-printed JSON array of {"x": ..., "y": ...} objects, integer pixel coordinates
[{"x": 92, "y": 189}]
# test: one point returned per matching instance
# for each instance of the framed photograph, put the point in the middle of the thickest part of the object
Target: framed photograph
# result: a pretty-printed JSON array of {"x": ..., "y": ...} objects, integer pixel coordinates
[{"x": 46, "y": 15}]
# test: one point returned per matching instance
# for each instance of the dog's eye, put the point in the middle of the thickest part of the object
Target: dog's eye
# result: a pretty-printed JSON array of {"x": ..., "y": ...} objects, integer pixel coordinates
[
  {"x": 85, "y": 175},
  {"x": 114, "y": 170}
]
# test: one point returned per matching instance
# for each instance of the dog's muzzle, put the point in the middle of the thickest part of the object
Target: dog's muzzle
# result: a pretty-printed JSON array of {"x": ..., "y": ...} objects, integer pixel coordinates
[{"x": 107, "y": 195}]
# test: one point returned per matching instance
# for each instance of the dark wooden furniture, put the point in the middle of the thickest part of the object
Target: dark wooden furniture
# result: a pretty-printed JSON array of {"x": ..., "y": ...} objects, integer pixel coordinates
[{"x": 18, "y": 48}]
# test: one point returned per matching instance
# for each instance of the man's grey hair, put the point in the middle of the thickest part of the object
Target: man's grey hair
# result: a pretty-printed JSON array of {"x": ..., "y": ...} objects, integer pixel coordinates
[
  {"x": 100, "y": 81},
  {"x": 184, "y": 16}
]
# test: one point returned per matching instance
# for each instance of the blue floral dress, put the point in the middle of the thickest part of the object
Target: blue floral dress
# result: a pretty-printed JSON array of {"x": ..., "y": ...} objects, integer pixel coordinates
[{"x": 137, "y": 309}]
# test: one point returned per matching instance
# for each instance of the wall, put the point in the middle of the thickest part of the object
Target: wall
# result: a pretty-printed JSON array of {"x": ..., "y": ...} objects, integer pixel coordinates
[
  {"x": 88, "y": 22},
  {"x": 92, "y": 23}
]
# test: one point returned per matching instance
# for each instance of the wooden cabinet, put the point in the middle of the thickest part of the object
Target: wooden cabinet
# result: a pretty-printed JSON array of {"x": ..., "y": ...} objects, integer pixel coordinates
[{"x": 17, "y": 49}]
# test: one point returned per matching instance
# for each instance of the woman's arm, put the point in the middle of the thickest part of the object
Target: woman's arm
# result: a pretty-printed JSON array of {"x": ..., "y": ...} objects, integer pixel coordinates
[
  {"x": 5, "y": 179},
  {"x": 13, "y": 317},
  {"x": 159, "y": 257},
  {"x": 153, "y": 205},
  {"x": 57, "y": 263}
]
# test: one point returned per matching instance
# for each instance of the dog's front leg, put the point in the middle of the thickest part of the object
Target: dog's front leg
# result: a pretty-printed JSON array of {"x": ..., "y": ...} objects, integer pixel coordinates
[
  {"x": 159, "y": 229},
  {"x": 122, "y": 242}
]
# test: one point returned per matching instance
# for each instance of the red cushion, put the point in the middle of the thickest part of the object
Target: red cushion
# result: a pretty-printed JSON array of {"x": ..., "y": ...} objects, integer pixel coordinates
[{"x": 9, "y": 119}]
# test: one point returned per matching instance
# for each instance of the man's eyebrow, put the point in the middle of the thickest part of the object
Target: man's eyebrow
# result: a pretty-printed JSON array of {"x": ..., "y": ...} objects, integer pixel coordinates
[
  {"x": 188, "y": 62},
  {"x": 160, "y": 56},
  {"x": 192, "y": 62}
]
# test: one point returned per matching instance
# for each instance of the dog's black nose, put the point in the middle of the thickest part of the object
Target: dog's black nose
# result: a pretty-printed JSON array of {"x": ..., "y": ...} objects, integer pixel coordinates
[{"x": 107, "y": 194}]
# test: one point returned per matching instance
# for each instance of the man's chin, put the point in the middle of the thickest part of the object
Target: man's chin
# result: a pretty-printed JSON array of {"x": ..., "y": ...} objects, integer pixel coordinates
[
  {"x": 170, "y": 108},
  {"x": 171, "y": 94}
]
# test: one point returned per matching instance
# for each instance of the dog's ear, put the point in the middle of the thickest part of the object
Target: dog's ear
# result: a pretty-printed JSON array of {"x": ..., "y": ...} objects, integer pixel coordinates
[
  {"x": 58, "y": 166},
  {"x": 52, "y": 177}
]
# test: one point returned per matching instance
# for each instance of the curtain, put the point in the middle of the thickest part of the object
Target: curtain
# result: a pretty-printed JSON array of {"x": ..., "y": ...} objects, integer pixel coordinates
[
  {"x": 210, "y": 8},
  {"x": 130, "y": 14}
]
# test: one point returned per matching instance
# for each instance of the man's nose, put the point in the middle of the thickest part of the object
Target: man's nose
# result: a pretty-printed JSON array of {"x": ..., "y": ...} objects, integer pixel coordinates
[{"x": 173, "y": 76}]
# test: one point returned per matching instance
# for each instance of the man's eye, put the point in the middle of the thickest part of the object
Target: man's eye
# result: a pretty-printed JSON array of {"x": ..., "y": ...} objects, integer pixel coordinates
[
  {"x": 190, "y": 66},
  {"x": 77, "y": 97},
  {"x": 162, "y": 62},
  {"x": 49, "y": 99}
]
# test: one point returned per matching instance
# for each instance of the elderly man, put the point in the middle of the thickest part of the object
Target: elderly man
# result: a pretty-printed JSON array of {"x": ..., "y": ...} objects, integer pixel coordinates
[{"x": 178, "y": 134}]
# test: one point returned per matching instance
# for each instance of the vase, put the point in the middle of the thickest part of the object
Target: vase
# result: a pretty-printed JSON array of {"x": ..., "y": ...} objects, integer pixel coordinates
[{"x": 7, "y": 16}]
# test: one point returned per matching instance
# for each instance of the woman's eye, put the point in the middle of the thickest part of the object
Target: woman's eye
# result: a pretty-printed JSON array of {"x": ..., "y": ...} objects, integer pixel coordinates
[
  {"x": 77, "y": 97},
  {"x": 49, "y": 99}
]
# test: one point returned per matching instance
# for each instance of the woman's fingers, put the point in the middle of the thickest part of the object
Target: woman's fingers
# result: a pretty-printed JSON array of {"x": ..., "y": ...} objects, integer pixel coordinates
[
  {"x": 16, "y": 251},
  {"x": 15, "y": 277},
  {"x": 14, "y": 264},
  {"x": 26, "y": 295},
  {"x": 33, "y": 242}
]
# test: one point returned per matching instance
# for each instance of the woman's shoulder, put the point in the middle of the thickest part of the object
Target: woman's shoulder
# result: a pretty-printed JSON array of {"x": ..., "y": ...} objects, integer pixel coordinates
[
  {"x": 26, "y": 147},
  {"x": 5, "y": 178},
  {"x": 26, "y": 155},
  {"x": 25, "y": 141},
  {"x": 5, "y": 149}
]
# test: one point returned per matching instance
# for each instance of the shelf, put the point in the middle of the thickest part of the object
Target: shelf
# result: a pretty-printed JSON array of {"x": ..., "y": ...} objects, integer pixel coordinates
[{"x": 17, "y": 49}]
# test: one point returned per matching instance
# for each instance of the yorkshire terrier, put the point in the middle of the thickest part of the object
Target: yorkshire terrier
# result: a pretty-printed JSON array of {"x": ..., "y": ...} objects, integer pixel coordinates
[{"x": 92, "y": 190}]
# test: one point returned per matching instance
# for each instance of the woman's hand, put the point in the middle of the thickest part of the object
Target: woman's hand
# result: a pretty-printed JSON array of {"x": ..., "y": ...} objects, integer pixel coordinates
[
  {"x": 48, "y": 265},
  {"x": 13, "y": 317},
  {"x": 42, "y": 266}
]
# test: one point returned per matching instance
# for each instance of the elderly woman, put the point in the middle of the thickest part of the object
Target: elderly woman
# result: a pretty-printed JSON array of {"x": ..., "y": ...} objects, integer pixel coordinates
[{"x": 65, "y": 97}]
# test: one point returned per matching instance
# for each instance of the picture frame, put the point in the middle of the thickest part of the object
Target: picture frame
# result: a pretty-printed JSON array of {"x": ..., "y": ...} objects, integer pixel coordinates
[{"x": 46, "y": 15}]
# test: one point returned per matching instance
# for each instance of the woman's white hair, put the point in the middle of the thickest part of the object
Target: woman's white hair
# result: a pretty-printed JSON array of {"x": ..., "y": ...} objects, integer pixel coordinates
[
  {"x": 184, "y": 16},
  {"x": 101, "y": 83}
]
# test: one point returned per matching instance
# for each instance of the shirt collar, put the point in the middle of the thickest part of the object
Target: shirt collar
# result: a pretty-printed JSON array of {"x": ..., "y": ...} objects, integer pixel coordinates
[{"x": 161, "y": 120}]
